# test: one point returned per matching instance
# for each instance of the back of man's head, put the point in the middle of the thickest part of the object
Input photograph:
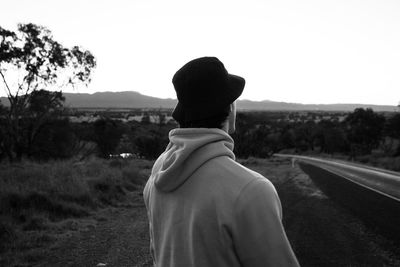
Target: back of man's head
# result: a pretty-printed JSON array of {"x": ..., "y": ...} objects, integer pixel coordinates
[{"x": 205, "y": 91}]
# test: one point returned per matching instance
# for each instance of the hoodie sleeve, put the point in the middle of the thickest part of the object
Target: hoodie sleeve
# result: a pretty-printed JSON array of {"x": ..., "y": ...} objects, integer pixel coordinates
[{"x": 258, "y": 233}]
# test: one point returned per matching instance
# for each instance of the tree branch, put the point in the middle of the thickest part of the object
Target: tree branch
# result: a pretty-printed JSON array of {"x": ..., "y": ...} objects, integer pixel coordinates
[
  {"x": 5, "y": 82},
  {"x": 29, "y": 95}
]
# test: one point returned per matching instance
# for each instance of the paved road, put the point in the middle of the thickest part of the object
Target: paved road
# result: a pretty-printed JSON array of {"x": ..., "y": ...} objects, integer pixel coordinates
[
  {"x": 370, "y": 193},
  {"x": 379, "y": 180}
]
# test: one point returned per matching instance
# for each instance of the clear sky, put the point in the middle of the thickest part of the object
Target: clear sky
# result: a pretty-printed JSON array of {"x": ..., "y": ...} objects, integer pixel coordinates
[{"x": 308, "y": 51}]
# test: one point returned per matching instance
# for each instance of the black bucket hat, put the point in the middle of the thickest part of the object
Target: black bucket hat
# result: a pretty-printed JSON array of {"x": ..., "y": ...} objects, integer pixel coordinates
[{"x": 204, "y": 89}]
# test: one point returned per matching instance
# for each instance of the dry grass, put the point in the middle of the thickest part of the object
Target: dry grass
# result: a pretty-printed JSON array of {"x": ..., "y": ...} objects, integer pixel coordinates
[{"x": 37, "y": 196}]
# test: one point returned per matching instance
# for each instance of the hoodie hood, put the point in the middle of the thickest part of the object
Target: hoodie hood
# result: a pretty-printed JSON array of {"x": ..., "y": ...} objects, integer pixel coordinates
[{"x": 189, "y": 149}]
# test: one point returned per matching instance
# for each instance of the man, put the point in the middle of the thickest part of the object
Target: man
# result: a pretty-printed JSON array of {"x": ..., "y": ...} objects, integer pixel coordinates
[{"x": 204, "y": 208}]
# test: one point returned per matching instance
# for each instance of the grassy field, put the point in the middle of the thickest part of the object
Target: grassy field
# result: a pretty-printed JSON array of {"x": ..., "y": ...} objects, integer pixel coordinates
[
  {"x": 41, "y": 202},
  {"x": 81, "y": 214}
]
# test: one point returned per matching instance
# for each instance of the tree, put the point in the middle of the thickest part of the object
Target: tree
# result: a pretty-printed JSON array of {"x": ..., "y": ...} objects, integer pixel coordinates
[
  {"x": 364, "y": 130},
  {"x": 145, "y": 119},
  {"x": 3, "y": 135},
  {"x": 43, "y": 107},
  {"x": 305, "y": 135},
  {"x": 149, "y": 146},
  {"x": 54, "y": 140},
  {"x": 107, "y": 135},
  {"x": 331, "y": 137},
  {"x": 31, "y": 59},
  {"x": 287, "y": 137},
  {"x": 392, "y": 129}
]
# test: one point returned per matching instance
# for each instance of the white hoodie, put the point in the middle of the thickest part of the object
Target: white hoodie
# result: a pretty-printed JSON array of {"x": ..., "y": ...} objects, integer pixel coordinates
[{"x": 205, "y": 209}]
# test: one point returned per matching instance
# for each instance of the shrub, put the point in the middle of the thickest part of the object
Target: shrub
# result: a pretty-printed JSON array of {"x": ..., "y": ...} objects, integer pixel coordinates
[
  {"x": 389, "y": 163},
  {"x": 107, "y": 190}
]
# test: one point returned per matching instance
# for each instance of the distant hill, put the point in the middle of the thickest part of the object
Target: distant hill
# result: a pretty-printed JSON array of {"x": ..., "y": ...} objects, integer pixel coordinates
[
  {"x": 131, "y": 99},
  {"x": 127, "y": 99},
  {"x": 272, "y": 105}
]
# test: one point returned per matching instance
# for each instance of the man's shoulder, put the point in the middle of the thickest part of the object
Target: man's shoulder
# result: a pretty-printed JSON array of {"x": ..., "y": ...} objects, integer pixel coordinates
[
  {"x": 231, "y": 173},
  {"x": 236, "y": 167}
]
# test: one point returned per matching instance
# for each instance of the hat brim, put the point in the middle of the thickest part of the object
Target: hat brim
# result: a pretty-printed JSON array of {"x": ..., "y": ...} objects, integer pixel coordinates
[
  {"x": 236, "y": 84},
  {"x": 195, "y": 113}
]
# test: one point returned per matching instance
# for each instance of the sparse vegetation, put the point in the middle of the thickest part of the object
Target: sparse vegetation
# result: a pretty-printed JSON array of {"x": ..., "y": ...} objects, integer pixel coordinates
[
  {"x": 42, "y": 196},
  {"x": 64, "y": 188}
]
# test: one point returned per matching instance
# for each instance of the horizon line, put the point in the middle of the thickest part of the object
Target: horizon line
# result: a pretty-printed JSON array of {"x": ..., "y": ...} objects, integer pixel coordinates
[{"x": 239, "y": 99}]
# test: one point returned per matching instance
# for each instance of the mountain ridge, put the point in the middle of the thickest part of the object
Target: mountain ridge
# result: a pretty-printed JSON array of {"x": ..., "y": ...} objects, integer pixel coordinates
[{"x": 133, "y": 99}]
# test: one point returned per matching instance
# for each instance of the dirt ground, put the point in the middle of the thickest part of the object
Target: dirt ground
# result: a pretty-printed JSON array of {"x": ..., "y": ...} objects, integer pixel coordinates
[
  {"x": 321, "y": 232},
  {"x": 120, "y": 238}
]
